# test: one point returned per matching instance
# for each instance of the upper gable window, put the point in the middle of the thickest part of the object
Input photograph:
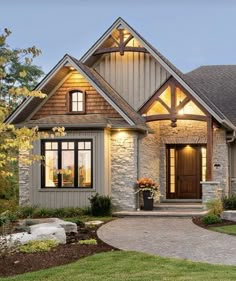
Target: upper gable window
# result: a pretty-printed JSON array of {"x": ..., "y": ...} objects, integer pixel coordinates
[{"x": 77, "y": 102}]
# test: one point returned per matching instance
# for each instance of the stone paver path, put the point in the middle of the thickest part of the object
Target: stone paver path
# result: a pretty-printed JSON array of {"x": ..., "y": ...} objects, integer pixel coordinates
[{"x": 170, "y": 237}]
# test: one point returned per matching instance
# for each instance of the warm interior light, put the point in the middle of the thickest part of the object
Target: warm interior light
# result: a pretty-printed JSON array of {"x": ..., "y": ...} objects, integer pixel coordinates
[
  {"x": 71, "y": 68},
  {"x": 181, "y": 111}
]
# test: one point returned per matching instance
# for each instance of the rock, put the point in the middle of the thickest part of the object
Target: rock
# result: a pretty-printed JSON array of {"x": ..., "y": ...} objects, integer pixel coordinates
[
  {"x": 49, "y": 229},
  {"x": 46, "y": 231},
  {"x": 94, "y": 222},
  {"x": 67, "y": 225},
  {"x": 229, "y": 215}
]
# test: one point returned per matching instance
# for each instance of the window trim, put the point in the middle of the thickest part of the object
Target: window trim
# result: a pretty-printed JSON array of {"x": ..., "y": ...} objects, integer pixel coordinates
[
  {"x": 69, "y": 102},
  {"x": 60, "y": 187}
]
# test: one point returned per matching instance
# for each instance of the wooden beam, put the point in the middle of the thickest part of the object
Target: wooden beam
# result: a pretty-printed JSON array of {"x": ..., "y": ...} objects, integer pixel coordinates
[
  {"x": 209, "y": 164},
  {"x": 177, "y": 117},
  {"x": 156, "y": 94},
  {"x": 117, "y": 49}
]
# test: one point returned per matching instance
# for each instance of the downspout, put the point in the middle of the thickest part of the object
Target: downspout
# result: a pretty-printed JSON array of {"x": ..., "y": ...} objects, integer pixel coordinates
[{"x": 229, "y": 141}]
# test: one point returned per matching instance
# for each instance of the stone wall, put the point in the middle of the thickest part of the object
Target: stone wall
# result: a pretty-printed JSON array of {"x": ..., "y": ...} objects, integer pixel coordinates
[
  {"x": 24, "y": 185},
  {"x": 124, "y": 169},
  {"x": 186, "y": 132},
  {"x": 220, "y": 159},
  {"x": 149, "y": 154}
]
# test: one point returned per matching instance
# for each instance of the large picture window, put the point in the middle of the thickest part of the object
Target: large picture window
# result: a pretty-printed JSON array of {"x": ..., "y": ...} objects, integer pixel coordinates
[{"x": 67, "y": 163}]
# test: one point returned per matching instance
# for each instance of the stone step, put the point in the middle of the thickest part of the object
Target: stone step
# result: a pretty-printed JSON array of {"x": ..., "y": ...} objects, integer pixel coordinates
[
  {"x": 154, "y": 213},
  {"x": 178, "y": 206},
  {"x": 182, "y": 201}
]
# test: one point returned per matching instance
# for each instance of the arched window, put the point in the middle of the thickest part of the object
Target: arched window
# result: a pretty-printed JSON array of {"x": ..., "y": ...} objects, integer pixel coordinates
[{"x": 77, "y": 102}]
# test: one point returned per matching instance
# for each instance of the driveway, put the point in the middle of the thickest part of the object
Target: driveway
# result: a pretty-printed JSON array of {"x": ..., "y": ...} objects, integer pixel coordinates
[{"x": 170, "y": 237}]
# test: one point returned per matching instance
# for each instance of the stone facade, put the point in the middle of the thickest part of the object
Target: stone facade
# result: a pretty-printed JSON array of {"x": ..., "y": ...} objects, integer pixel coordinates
[
  {"x": 124, "y": 153},
  {"x": 24, "y": 185},
  {"x": 210, "y": 191},
  {"x": 220, "y": 159}
]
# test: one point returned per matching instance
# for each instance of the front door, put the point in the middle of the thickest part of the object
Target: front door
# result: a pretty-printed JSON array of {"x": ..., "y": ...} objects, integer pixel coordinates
[{"x": 184, "y": 171}]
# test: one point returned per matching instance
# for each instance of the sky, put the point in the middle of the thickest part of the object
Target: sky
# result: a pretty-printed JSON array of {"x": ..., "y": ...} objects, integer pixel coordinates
[{"x": 189, "y": 33}]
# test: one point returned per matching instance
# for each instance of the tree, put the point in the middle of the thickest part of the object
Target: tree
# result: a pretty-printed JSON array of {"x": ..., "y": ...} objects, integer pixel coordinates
[{"x": 17, "y": 78}]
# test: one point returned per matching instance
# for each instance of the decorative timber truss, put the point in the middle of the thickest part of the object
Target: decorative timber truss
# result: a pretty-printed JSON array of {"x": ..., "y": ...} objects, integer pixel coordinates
[
  {"x": 120, "y": 43},
  {"x": 172, "y": 102}
]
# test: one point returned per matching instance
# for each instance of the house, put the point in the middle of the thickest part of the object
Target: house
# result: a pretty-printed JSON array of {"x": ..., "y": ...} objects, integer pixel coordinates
[{"x": 129, "y": 113}]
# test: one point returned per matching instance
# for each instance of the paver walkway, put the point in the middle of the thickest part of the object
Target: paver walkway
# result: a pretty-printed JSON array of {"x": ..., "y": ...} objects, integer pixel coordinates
[{"x": 170, "y": 237}]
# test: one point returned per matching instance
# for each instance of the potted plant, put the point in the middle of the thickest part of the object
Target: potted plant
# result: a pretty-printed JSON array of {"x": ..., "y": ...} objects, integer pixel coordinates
[{"x": 150, "y": 190}]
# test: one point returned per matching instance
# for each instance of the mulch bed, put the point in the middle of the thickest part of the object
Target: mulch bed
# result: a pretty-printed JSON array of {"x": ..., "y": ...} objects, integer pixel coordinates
[
  {"x": 19, "y": 263},
  {"x": 197, "y": 221}
]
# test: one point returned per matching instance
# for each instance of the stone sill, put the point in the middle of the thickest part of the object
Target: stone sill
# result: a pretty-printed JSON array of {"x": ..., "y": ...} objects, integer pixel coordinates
[
  {"x": 209, "y": 182},
  {"x": 66, "y": 189}
]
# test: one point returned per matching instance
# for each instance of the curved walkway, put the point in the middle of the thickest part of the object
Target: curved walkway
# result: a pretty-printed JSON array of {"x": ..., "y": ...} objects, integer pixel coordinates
[{"x": 170, "y": 237}]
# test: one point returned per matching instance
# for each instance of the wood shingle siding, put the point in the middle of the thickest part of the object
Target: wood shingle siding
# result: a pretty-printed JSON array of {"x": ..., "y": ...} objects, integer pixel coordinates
[
  {"x": 58, "y": 103},
  {"x": 135, "y": 76}
]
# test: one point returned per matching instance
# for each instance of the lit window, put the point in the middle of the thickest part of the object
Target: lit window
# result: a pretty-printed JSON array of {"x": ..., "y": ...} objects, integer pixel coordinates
[
  {"x": 67, "y": 163},
  {"x": 77, "y": 102}
]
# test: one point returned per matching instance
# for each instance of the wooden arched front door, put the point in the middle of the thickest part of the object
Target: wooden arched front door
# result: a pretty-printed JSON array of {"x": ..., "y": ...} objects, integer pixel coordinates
[{"x": 185, "y": 170}]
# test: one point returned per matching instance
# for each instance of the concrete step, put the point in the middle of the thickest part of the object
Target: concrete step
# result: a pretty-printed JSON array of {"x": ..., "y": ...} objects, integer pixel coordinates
[{"x": 154, "y": 213}]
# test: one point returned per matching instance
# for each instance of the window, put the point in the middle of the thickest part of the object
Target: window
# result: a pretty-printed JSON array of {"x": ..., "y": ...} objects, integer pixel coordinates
[
  {"x": 67, "y": 163},
  {"x": 77, "y": 102}
]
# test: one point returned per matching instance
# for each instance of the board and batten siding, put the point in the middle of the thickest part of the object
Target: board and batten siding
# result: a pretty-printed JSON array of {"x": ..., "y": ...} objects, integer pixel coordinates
[
  {"x": 135, "y": 75},
  {"x": 72, "y": 197}
]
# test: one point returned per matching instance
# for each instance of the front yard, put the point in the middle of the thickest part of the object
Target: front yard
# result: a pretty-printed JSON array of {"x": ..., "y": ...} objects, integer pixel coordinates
[{"x": 130, "y": 266}]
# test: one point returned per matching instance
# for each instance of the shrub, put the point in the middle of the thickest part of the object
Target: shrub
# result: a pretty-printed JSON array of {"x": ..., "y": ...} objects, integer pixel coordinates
[
  {"x": 229, "y": 203},
  {"x": 76, "y": 220},
  {"x": 36, "y": 212},
  {"x": 215, "y": 207},
  {"x": 26, "y": 212},
  {"x": 100, "y": 205},
  {"x": 211, "y": 219},
  {"x": 7, "y": 217},
  {"x": 38, "y": 246},
  {"x": 88, "y": 242}
]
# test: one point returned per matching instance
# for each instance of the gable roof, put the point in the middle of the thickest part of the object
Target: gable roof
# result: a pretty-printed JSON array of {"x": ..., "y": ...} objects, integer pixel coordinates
[
  {"x": 216, "y": 83},
  {"x": 112, "y": 97},
  {"x": 107, "y": 92},
  {"x": 174, "y": 71}
]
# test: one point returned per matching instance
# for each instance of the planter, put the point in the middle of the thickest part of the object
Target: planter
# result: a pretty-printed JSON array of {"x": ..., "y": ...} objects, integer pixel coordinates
[{"x": 147, "y": 200}]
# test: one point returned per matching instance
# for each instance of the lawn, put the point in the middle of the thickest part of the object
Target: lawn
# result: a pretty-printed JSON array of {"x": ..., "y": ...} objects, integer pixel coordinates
[
  {"x": 130, "y": 266},
  {"x": 228, "y": 229}
]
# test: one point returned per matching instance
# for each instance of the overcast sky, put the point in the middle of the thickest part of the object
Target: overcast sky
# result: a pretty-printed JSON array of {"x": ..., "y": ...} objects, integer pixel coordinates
[{"x": 189, "y": 33}]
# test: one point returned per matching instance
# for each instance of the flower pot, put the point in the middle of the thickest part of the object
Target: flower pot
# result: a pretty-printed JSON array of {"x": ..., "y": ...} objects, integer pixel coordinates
[{"x": 147, "y": 200}]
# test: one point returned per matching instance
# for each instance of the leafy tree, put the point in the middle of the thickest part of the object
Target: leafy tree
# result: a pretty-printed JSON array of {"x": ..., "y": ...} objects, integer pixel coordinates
[
  {"x": 17, "y": 73},
  {"x": 17, "y": 78}
]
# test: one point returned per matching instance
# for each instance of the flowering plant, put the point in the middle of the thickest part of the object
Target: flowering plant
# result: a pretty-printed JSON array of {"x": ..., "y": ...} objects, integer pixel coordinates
[{"x": 144, "y": 184}]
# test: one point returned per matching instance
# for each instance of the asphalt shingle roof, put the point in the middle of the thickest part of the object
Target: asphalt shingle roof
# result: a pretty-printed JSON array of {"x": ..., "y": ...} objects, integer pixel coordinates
[{"x": 216, "y": 85}]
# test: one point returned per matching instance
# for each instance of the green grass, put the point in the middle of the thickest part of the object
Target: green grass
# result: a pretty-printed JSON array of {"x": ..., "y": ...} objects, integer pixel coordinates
[
  {"x": 228, "y": 229},
  {"x": 130, "y": 266}
]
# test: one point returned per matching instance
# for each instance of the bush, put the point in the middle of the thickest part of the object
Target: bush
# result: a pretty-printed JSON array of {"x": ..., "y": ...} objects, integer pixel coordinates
[
  {"x": 36, "y": 212},
  {"x": 229, "y": 203},
  {"x": 7, "y": 217},
  {"x": 215, "y": 207},
  {"x": 88, "y": 242},
  {"x": 26, "y": 212},
  {"x": 211, "y": 219},
  {"x": 38, "y": 246},
  {"x": 100, "y": 205}
]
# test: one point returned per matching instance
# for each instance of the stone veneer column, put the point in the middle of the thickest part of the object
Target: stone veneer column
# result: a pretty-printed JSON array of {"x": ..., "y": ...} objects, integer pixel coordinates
[
  {"x": 124, "y": 169},
  {"x": 220, "y": 159},
  {"x": 211, "y": 191},
  {"x": 24, "y": 187}
]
